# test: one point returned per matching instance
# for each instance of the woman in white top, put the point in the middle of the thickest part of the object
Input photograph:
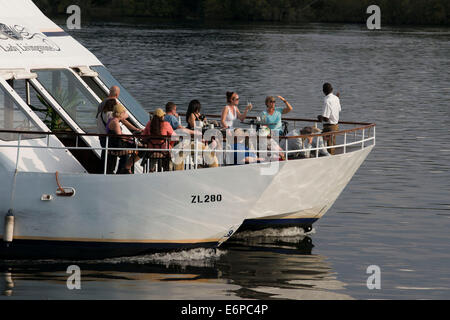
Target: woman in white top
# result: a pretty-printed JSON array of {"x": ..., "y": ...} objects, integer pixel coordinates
[{"x": 231, "y": 113}]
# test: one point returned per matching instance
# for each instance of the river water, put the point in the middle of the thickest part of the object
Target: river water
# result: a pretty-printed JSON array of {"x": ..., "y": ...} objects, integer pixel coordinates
[{"x": 395, "y": 212}]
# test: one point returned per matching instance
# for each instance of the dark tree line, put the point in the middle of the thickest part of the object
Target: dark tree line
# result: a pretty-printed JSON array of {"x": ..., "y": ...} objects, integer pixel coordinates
[{"x": 418, "y": 12}]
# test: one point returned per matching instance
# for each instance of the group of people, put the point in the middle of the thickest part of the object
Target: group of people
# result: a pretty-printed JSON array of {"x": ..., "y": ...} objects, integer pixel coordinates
[
  {"x": 112, "y": 116},
  {"x": 271, "y": 116}
]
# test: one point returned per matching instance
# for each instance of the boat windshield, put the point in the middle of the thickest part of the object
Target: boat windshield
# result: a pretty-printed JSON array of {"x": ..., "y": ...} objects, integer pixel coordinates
[
  {"x": 13, "y": 118},
  {"x": 132, "y": 105},
  {"x": 72, "y": 96}
]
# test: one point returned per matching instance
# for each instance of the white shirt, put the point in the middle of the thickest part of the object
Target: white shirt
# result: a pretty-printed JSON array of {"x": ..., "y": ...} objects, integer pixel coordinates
[
  {"x": 101, "y": 120},
  {"x": 231, "y": 117},
  {"x": 331, "y": 108}
]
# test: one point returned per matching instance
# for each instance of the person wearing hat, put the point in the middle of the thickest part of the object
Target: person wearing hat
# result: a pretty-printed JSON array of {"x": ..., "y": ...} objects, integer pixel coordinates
[
  {"x": 157, "y": 126},
  {"x": 104, "y": 113}
]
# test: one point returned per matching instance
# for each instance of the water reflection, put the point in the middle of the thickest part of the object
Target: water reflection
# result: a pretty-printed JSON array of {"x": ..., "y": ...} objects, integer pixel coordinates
[
  {"x": 7, "y": 284},
  {"x": 280, "y": 268},
  {"x": 254, "y": 268}
]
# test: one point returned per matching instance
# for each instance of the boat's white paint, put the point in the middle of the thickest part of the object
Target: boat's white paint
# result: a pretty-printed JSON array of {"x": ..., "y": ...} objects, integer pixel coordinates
[
  {"x": 137, "y": 208},
  {"x": 157, "y": 206},
  {"x": 32, "y": 159},
  {"x": 307, "y": 188},
  {"x": 24, "y": 14}
]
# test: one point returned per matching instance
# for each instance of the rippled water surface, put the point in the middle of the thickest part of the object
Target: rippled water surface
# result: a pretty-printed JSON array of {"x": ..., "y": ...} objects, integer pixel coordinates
[{"x": 395, "y": 212}]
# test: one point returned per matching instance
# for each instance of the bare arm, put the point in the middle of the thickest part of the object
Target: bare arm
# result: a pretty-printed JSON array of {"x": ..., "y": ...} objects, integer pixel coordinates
[
  {"x": 191, "y": 120},
  {"x": 224, "y": 116},
  {"x": 243, "y": 116},
  {"x": 252, "y": 159},
  {"x": 114, "y": 126},
  {"x": 288, "y": 105},
  {"x": 185, "y": 129},
  {"x": 130, "y": 126}
]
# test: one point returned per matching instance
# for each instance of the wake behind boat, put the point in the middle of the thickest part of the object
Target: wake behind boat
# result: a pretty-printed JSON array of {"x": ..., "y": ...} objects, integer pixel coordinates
[{"x": 58, "y": 201}]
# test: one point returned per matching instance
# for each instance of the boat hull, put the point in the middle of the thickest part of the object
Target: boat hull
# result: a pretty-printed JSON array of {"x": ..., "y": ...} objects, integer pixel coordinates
[
  {"x": 120, "y": 215},
  {"x": 259, "y": 224},
  {"x": 49, "y": 249}
]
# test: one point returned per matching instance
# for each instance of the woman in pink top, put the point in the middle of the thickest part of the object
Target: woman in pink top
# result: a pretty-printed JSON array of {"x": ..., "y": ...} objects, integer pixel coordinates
[{"x": 158, "y": 127}]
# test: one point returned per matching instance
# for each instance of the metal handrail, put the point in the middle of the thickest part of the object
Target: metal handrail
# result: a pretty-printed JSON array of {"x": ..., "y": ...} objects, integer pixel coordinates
[
  {"x": 285, "y": 119},
  {"x": 364, "y": 138},
  {"x": 155, "y": 137}
]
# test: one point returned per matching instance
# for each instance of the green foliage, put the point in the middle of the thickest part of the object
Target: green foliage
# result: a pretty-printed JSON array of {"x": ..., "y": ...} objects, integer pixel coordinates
[
  {"x": 392, "y": 11},
  {"x": 52, "y": 120},
  {"x": 70, "y": 102}
]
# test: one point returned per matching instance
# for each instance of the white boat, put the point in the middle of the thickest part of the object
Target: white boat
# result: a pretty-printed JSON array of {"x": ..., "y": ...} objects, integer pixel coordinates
[{"x": 56, "y": 200}]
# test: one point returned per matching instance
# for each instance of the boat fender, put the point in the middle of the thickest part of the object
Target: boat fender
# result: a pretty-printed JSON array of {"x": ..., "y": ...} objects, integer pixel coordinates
[{"x": 9, "y": 227}]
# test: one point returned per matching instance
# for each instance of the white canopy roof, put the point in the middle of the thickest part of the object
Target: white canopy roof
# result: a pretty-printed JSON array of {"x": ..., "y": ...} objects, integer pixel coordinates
[{"x": 28, "y": 40}]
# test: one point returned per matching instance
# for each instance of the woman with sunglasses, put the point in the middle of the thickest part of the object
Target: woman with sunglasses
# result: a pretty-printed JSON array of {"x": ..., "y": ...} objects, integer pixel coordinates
[
  {"x": 231, "y": 113},
  {"x": 272, "y": 116}
]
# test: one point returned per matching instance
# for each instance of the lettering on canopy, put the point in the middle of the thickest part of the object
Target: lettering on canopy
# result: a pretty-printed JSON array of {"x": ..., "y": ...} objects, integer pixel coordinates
[{"x": 18, "y": 39}]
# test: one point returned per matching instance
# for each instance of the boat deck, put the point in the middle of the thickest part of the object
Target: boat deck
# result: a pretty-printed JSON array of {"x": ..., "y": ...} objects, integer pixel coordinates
[{"x": 19, "y": 147}]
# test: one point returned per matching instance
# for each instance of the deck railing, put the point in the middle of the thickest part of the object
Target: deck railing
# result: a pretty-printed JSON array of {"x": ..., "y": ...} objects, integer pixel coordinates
[{"x": 360, "y": 136}]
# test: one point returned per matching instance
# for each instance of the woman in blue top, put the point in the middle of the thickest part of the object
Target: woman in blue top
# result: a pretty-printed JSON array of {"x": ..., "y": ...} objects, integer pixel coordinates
[{"x": 272, "y": 116}]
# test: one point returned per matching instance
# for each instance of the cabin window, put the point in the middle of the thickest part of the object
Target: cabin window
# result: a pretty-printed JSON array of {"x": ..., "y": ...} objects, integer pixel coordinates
[
  {"x": 95, "y": 87},
  {"x": 13, "y": 118},
  {"x": 132, "y": 105},
  {"x": 72, "y": 96},
  {"x": 40, "y": 106}
]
